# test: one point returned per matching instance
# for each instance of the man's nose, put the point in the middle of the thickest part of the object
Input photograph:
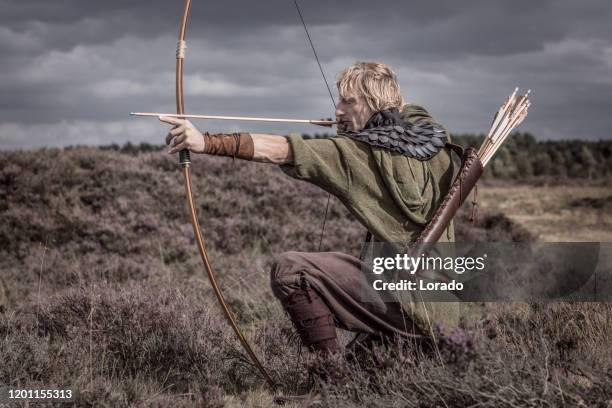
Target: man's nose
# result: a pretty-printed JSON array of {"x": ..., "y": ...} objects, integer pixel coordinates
[{"x": 339, "y": 111}]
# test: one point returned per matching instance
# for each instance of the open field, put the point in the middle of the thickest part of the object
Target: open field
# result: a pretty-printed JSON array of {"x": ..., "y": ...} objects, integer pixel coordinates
[
  {"x": 555, "y": 213},
  {"x": 103, "y": 292}
]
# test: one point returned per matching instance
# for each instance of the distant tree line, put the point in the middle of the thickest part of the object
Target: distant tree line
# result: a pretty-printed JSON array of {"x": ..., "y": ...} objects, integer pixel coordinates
[
  {"x": 131, "y": 148},
  {"x": 522, "y": 156}
]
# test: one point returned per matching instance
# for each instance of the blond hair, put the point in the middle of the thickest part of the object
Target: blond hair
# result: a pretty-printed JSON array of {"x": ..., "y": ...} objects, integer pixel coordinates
[{"x": 375, "y": 81}]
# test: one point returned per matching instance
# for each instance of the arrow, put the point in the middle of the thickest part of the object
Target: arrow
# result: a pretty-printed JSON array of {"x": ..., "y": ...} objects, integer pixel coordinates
[{"x": 320, "y": 122}]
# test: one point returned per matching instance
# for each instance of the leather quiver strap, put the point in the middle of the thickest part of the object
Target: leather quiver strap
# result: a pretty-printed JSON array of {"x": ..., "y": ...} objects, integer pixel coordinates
[{"x": 470, "y": 171}]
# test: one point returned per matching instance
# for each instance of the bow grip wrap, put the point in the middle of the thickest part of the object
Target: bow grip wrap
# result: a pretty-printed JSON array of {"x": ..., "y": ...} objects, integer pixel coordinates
[
  {"x": 184, "y": 158},
  {"x": 469, "y": 173}
]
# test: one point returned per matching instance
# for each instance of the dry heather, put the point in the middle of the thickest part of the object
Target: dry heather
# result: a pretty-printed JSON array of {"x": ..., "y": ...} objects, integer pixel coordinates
[{"x": 102, "y": 292}]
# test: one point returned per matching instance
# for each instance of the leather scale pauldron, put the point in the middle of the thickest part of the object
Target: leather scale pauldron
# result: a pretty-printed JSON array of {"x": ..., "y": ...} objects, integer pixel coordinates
[{"x": 386, "y": 129}]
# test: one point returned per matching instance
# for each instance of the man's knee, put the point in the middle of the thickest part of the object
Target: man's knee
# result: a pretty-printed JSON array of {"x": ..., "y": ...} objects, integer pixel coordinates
[{"x": 284, "y": 266}]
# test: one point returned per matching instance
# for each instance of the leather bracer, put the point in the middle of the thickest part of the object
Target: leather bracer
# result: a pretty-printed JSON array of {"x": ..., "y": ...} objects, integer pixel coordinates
[{"x": 238, "y": 145}]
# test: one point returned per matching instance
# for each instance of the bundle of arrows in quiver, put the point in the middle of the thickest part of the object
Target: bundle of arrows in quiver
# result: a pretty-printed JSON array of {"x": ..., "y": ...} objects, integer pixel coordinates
[
  {"x": 512, "y": 112},
  {"x": 508, "y": 117}
]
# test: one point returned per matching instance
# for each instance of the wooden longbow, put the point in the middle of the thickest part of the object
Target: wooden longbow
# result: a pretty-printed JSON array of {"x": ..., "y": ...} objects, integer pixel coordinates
[{"x": 185, "y": 162}]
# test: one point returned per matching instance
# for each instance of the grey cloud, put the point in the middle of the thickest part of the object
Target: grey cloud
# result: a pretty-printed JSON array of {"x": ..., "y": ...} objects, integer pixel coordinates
[{"x": 87, "y": 63}]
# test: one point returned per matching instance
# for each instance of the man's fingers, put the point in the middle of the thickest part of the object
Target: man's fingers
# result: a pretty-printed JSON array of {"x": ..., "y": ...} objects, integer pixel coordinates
[
  {"x": 177, "y": 148},
  {"x": 174, "y": 132},
  {"x": 179, "y": 139},
  {"x": 169, "y": 137},
  {"x": 177, "y": 130},
  {"x": 172, "y": 140},
  {"x": 172, "y": 120}
]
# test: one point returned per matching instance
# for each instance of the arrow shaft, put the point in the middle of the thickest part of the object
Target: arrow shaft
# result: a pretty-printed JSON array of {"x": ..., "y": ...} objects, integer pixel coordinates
[{"x": 240, "y": 118}]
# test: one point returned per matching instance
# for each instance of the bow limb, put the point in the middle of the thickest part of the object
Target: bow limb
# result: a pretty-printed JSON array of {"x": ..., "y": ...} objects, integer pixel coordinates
[{"x": 185, "y": 161}]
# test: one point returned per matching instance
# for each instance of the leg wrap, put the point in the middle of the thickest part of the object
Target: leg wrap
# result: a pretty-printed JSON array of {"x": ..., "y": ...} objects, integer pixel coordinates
[{"x": 313, "y": 320}]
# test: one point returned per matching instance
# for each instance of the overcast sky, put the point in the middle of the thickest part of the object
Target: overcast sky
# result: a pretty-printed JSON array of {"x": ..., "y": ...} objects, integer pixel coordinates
[{"x": 71, "y": 71}]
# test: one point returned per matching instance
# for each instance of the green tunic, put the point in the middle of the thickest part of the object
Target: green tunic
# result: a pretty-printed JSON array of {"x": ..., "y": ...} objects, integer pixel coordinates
[{"x": 391, "y": 195}]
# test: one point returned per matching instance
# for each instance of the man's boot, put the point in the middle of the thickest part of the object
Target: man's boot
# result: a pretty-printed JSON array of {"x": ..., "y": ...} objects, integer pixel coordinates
[{"x": 313, "y": 320}]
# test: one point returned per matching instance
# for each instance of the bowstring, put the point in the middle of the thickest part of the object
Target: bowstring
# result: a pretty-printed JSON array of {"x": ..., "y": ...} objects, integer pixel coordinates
[{"x": 314, "y": 51}]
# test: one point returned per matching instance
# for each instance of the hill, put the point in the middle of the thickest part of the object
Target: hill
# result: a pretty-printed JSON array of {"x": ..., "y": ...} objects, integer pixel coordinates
[{"x": 103, "y": 293}]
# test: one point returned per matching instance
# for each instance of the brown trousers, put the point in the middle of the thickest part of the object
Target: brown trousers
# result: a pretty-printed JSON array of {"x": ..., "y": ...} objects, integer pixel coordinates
[{"x": 340, "y": 282}]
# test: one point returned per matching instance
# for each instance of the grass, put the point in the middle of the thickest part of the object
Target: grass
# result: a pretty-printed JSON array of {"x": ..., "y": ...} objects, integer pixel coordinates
[{"x": 102, "y": 292}]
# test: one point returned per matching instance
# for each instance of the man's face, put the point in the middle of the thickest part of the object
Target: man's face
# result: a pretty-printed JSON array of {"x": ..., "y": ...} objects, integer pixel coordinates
[{"x": 353, "y": 112}]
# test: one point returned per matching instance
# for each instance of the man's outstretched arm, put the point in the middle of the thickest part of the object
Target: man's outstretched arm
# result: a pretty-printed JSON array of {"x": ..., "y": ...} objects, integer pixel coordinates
[
  {"x": 260, "y": 147},
  {"x": 271, "y": 149}
]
